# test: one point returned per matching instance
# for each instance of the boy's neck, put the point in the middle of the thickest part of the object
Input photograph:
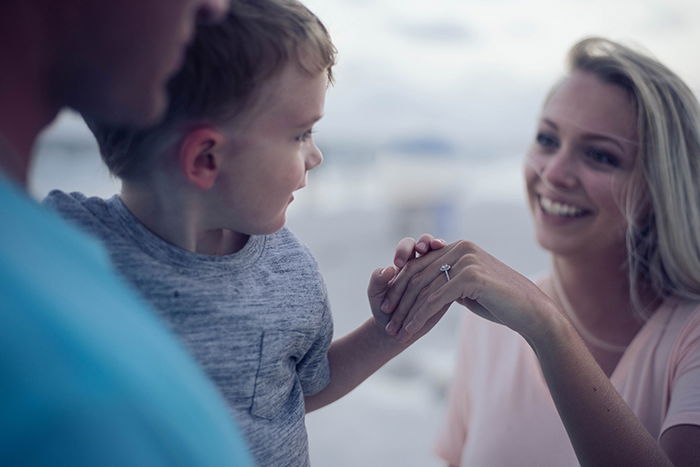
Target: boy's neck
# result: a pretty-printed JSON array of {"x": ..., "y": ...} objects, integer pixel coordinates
[
  {"x": 220, "y": 242},
  {"x": 179, "y": 223}
]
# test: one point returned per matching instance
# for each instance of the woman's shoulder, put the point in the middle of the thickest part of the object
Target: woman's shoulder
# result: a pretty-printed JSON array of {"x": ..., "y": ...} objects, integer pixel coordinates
[
  {"x": 677, "y": 323},
  {"x": 543, "y": 280},
  {"x": 682, "y": 312},
  {"x": 687, "y": 315}
]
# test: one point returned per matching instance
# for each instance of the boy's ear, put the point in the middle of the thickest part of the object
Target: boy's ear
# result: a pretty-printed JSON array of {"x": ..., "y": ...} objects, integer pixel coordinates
[{"x": 199, "y": 156}]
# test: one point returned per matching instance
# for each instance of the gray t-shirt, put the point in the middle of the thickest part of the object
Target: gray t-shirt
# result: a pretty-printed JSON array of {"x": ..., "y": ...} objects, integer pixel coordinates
[{"x": 258, "y": 321}]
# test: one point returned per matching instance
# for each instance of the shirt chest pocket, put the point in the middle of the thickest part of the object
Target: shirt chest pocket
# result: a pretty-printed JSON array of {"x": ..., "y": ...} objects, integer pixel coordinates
[
  {"x": 256, "y": 370},
  {"x": 277, "y": 388}
]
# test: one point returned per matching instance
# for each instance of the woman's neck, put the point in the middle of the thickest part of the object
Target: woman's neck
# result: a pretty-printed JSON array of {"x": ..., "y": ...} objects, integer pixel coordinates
[{"x": 597, "y": 291}]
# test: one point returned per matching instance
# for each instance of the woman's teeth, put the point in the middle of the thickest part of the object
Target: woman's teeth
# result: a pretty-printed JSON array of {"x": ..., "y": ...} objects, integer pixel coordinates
[{"x": 559, "y": 209}]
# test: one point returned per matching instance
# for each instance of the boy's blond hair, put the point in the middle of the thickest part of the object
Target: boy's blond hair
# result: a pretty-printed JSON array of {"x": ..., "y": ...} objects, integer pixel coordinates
[{"x": 224, "y": 69}]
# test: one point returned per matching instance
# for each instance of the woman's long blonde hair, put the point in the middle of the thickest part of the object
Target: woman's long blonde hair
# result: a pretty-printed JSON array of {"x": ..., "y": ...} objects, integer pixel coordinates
[{"x": 662, "y": 200}]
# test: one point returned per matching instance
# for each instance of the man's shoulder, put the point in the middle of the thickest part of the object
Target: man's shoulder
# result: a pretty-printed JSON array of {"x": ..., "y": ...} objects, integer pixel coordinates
[
  {"x": 31, "y": 234},
  {"x": 90, "y": 213},
  {"x": 73, "y": 204}
]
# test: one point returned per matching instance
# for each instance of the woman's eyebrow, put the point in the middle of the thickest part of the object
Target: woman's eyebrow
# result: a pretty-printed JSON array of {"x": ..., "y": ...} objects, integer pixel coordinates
[{"x": 595, "y": 135}]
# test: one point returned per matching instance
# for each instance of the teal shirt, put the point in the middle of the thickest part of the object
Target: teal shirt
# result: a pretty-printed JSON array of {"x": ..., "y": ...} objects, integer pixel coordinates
[{"x": 88, "y": 374}]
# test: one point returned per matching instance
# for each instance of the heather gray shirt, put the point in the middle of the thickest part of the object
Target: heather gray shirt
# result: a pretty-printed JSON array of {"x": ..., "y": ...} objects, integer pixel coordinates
[{"x": 258, "y": 321}]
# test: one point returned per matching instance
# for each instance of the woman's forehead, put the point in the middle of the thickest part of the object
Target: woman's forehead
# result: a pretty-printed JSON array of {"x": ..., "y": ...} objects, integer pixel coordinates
[{"x": 589, "y": 105}]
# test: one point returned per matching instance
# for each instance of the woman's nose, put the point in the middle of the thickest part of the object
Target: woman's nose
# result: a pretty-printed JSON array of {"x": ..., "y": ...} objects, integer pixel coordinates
[{"x": 559, "y": 169}]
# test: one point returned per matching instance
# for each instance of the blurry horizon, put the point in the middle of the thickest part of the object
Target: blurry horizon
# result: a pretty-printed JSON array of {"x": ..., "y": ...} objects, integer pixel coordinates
[{"x": 459, "y": 80}]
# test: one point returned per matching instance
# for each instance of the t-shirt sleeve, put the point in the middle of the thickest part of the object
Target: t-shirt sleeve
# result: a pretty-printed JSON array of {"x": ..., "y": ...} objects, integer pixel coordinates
[
  {"x": 453, "y": 434},
  {"x": 314, "y": 369},
  {"x": 684, "y": 406}
]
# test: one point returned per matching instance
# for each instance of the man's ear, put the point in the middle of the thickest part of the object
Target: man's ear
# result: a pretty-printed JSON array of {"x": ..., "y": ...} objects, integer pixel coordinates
[{"x": 199, "y": 156}]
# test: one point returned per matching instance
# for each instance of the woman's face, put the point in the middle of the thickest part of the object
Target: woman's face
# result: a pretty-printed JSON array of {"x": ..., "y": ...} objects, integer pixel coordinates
[{"x": 582, "y": 158}]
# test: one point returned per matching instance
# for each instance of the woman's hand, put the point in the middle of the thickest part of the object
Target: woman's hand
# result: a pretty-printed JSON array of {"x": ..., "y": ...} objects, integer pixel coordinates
[{"x": 478, "y": 281}]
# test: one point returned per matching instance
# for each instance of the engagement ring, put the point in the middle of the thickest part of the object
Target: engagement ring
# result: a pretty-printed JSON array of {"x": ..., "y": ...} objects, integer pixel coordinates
[{"x": 444, "y": 268}]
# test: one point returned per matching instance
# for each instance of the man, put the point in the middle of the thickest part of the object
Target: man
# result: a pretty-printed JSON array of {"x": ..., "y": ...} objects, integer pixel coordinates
[{"x": 89, "y": 375}]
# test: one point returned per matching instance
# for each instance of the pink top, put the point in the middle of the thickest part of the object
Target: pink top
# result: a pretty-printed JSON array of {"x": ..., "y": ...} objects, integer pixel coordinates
[{"x": 500, "y": 411}]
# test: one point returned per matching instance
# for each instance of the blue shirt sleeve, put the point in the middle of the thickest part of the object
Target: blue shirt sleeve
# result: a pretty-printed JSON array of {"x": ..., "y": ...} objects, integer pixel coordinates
[{"x": 90, "y": 376}]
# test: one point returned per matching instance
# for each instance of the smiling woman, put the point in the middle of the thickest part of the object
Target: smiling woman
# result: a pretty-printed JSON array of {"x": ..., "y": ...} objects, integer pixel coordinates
[
  {"x": 582, "y": 157},
  {"x": 604, "y": 365}
]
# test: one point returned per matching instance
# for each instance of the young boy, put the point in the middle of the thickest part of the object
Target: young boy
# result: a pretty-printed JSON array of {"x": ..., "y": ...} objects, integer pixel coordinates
[{"x": 199, "y": 226}]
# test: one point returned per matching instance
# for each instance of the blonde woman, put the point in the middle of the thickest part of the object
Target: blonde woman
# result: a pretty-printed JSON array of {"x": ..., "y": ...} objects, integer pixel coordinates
[{"x": 604, "y": 365}]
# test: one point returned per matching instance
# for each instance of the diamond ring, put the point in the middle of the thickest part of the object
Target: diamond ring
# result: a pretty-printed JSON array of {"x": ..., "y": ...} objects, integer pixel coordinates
[{"x": 444, "y": 268}]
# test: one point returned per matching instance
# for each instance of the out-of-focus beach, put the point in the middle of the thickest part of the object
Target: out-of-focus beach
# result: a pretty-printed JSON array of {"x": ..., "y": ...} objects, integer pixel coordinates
[{"x": 353, "y": 211}]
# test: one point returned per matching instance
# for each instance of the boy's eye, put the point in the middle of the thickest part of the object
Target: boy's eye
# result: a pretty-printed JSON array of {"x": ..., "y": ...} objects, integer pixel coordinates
[
  {"x": 305, "y": 136},
  {"x": 602, "y": 157},
  {"x": 546, "y": 140}
]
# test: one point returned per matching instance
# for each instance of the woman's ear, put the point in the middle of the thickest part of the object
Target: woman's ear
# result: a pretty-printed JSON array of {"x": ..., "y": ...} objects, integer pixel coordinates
[{"x": 199, "y": 157}]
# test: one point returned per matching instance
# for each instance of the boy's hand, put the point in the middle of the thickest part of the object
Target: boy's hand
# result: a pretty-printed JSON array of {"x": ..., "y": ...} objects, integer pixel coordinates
[
  {"x": 408, "y": 248},
  {"x": 379, "y": 283},
  {"x": 381, "y": 279}
]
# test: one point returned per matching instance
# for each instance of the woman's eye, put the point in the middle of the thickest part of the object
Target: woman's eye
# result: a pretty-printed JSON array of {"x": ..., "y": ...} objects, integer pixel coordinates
[
  {"x": 603, "y": 157},
  {"x": 545, "y": 140}
]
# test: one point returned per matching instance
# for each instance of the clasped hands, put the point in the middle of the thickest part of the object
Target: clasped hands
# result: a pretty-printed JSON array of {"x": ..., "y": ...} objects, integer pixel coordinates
[{"x": 408, "y": 299}]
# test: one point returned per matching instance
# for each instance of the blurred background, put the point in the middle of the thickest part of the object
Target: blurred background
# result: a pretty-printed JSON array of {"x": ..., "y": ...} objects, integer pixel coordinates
[{"x": 425, "y": 129}]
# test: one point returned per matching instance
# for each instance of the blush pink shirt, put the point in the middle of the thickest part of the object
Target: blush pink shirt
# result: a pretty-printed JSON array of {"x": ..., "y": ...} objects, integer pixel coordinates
[{"x": 500, "y": 412}]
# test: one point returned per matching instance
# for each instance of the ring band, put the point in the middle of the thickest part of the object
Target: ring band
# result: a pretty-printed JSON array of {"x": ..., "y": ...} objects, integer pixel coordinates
[{"x": 445, "y": 268}]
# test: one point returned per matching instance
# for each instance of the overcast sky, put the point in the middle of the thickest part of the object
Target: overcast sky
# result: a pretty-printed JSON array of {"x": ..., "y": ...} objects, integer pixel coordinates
[
  {"x": 474, "y": 71},
  {"x": 470, "y": 72}
]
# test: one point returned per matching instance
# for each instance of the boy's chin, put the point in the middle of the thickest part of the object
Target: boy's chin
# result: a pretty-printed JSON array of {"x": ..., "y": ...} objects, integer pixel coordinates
[{"x": 269, "y": 228}]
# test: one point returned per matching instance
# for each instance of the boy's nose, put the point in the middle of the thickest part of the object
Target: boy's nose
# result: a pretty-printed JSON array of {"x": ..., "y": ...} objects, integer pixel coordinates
[{"x": 314, "y": 157}]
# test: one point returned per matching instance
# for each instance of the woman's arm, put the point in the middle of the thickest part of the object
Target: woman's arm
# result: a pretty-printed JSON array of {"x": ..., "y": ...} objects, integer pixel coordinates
[{"x": 602, "y": 428}]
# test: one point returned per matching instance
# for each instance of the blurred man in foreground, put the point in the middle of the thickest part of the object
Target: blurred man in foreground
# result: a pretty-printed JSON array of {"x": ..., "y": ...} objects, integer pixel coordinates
[{"x": 89, "y": 374}]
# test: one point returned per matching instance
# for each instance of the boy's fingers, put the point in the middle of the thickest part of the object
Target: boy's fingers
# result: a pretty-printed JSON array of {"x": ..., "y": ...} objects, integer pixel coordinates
[
  {"x": 423, "y": 243},
  {"x": 437, "y": 243},
  {"x": 405, "y": 251},
  {"x": 379, "y": 280},
  {"x": 376, "y": 289},
  {"x": 407, "y": 247}
]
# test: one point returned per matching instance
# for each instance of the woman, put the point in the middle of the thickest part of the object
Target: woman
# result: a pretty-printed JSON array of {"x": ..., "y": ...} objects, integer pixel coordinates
[{"x": 607, "y": 371}]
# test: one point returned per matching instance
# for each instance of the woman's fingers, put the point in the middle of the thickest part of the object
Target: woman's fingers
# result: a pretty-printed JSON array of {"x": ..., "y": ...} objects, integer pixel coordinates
[
  {"x": 411, "y": 269},
  {"x": 435, "y": 297},
  {"x": 413, "y": 282}
]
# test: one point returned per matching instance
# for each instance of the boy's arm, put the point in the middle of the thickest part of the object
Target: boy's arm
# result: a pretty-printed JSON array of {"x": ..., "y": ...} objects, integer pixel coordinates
[{"x": 356, "y": 356}]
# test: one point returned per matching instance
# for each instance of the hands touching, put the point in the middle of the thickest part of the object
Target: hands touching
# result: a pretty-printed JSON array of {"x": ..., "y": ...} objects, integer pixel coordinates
[
  {"x": 381, "y": 280},
  {"x": 421, "y": 291}
]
